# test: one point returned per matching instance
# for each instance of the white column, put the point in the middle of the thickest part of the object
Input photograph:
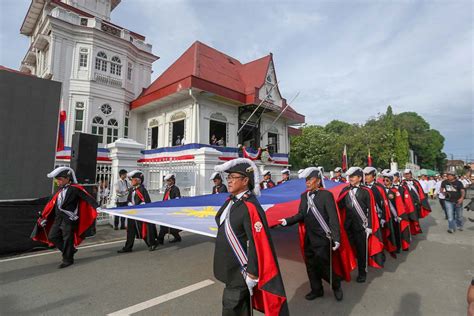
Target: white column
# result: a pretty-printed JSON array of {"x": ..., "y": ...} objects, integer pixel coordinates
[
  {"x": 206, "y": 159},
  {"x": 124, "y": 153}
]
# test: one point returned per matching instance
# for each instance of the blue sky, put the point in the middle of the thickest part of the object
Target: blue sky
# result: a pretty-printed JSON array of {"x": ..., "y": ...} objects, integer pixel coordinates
[{"x": 348, "y": 59}]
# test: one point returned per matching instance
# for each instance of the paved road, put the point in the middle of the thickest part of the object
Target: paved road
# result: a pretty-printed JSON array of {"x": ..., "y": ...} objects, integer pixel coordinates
[{"x": 430, "y": 280}]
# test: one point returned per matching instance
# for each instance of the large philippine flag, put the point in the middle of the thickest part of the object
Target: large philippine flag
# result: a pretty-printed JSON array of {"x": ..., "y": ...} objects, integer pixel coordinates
[{"x": 196, "y": 214}]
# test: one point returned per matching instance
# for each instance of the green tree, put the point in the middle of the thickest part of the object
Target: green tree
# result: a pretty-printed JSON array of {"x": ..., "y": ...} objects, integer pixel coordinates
[{"x": 389, "y": 136}]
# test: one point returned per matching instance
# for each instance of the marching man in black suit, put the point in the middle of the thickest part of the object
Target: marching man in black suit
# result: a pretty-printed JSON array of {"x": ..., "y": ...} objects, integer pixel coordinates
[
  {"x": 67, "y": 216},
  {"x": 138, "y": 195},
  {"x": 285, "y": 176},
  {"x": 218, "y": 187},
  {"x": 318, "y": 213},
  {"x": 267, "y": 181},
  {"x": 171, "y": 192},
  {"x": 244, "y": 257}
]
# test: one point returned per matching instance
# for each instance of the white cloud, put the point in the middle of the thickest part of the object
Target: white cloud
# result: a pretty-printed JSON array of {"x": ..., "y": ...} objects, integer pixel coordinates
[{"x": 349, "y": 59}]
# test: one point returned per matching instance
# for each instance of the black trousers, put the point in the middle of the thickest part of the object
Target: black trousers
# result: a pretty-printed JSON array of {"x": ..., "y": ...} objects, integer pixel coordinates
[
  {"x": 358, "y": 239},
  {"x": 118, "y": 218},
  {"x": 236, "y": 301},
  {"x": 398, "y": 236},
  {"x": 134, "y": 230},
  {"x": 318, "y": 267},
  {"x": 62, "y": 236},
  {"x": 167, "y": 230}
]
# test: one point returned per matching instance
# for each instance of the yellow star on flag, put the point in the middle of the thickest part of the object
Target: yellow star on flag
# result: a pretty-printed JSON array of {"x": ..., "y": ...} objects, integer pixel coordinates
[{"x": 207, "y": 211}]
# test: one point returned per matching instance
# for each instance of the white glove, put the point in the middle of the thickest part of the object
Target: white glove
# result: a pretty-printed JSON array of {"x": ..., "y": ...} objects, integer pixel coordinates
[
  {"x": 382, "y": 222},
  {"x": 99, "y": 210},
  {"x": 368, "y": 231},
  {"x": 130, "y": 204},
  {"x": 336, "y": 246},
  {"x": 43, "y": 223},
  {"x": 142, "y": 203},
  {"x": 283, "y": 222},
  {"x": 251, "y": 283}
]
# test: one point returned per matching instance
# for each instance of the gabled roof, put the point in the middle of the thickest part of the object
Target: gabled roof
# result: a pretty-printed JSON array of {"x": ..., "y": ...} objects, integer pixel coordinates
[{"x": 205, "y": 68}]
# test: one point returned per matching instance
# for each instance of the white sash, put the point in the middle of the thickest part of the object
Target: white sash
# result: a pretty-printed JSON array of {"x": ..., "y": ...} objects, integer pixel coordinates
[
  {"x": 318, "y": 216},
  {"x": 358, "y": 208}
]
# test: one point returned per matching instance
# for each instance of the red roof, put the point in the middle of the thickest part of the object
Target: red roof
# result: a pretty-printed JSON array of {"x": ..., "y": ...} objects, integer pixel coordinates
[
  {"x": 15, "y": 71},
  {"x": 208, "y": 69}
]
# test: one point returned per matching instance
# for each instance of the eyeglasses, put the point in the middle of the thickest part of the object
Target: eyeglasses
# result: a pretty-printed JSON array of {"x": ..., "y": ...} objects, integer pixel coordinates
[{"x": 232, "y": 178}]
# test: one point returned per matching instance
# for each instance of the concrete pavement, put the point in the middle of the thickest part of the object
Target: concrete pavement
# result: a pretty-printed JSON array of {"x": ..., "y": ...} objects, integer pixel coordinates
[{"x": 431, "y": 279}]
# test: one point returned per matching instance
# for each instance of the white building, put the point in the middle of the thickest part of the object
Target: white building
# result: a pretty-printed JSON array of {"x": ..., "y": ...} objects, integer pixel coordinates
[
  {"x": 102, "y": 66},
  {"x": 204, "y": 93},
  {"x": 105, "y": 72}
]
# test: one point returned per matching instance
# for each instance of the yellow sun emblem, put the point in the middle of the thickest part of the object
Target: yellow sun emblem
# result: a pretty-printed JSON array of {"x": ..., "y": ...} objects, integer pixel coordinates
[
  {"x": 207, "y": 211},
  {"x": 131, "y": 212}
]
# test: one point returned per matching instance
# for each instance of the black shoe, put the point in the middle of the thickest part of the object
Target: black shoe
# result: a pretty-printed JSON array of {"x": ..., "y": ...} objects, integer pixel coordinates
[
  {"x": 175, "y": 240},
  {"x": 338, "y": 294},
  {"x": 75, "y": 250},
  {"x": 152, "y": 248},
  {"x": 123, "y": 227},
  {"x": 124, "y": 250},
  {"x": 313, "y": 295},
  {"x": 115, "y": 228},
  {"x": 65, "y": 264},
  {"x": 361, "y": 278}
]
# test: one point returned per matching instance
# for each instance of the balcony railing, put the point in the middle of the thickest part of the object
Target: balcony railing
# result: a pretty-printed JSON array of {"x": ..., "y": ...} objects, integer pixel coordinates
[{"x": 107, "y": 80}]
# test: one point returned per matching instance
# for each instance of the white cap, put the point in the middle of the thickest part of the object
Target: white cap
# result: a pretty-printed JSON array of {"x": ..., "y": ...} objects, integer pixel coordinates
[
  {"x": 308, "y": 171},
  {"x": 316, "y": 171},
  {"x": 406, "y": 171},
  {"x": 338, "y": 169},
  {"x": 169, "y": 176},
  {"x": 266, "y": 172},
  {"x": 214, "y": 175},
  {"x": 368, "y": 170},
  {"x": 353, "y": 170},
  {"x": 387, "y": 173},
  {"x": 132, "y": 173},
  {"x": 59, "y": 170},
  {"x": 300, "y": 171},
  {"x": 285, "y": 171},
  {"x": 252, "y": 168}
]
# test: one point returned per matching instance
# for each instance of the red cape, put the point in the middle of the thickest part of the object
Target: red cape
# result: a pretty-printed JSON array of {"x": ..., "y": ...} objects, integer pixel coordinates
[
  {"x": 410, "y": 210},
  {"x": 144, "y": 229},
  {"x": 425, "y": 205},
  {"x": 387, "y": 231},
  {"x": 343, "y": 259},
  {"x": 269, "y": 294},
  {"x": 87, "y": 215},
  {"x": 404, "y": 223},
  {"x": 375, "y": 240}
]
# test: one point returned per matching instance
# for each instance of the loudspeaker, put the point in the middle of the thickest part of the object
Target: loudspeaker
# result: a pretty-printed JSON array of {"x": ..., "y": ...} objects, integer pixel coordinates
[{"x": 84, "y": 157}]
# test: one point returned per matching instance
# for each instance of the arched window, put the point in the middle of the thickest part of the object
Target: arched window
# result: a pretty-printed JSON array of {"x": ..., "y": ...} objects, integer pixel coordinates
[
  {"x": 98, "y": 128},
  {"x": 178, "y": 116},
  {"x": 153, "y": 134},
  {"x": 116, "y": 66},
  {"x": 112, "y": 131},
  {"x": 218, "y": 130},
  {"x": 101, "y": 61},
  {"x": 272, "y": 140},
  {"x": 177, "y": 131}
]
